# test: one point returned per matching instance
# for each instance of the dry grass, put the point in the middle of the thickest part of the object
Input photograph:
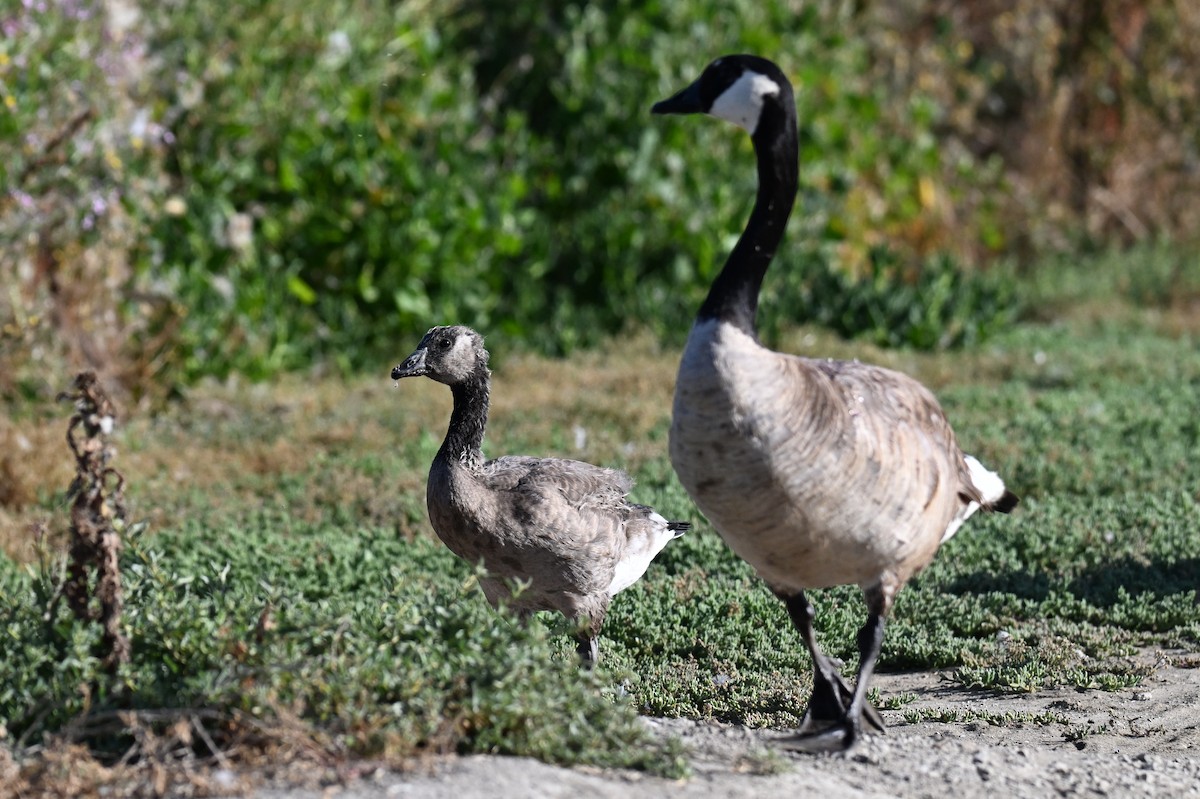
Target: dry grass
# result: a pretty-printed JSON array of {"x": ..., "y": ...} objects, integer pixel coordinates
[
  {"x": 188, "y": 754},
  {"x": 35, "y": 469},
  {"x": 227, "y": 444},
  {"x": 601, "y": 406}
]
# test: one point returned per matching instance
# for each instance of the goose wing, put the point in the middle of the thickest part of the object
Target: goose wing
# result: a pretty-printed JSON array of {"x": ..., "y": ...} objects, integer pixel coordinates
[
  {"x": 904, "y": 415},
  {"x": 886, "y": 395},
  {"x": 571, "y": 529},
  {"x": 503, "y": 474},
  {"x": 562, "y": 521},
  {"x": 578, "y": 484}
]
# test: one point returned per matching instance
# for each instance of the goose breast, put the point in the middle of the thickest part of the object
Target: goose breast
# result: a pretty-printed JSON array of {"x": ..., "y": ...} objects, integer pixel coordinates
[{"x": 816, "y": 473}]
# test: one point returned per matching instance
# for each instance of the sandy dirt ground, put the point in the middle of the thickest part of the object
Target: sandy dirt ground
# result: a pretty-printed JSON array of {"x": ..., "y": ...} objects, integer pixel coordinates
[{"x": 1133, "y": 743}]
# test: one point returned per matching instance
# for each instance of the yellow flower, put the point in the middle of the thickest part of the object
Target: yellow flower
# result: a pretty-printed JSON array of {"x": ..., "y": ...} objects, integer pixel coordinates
[
  {"x": 10, "y": 101},
  {"x": 926, "y": 192}
]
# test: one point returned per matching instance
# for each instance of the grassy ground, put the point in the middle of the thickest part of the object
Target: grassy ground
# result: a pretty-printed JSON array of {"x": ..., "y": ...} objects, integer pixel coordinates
[{"x": 287, "y": 585}]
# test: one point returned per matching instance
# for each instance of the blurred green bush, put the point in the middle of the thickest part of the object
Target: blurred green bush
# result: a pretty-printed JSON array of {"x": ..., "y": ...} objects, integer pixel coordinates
[
  {"x": 77, "y": 157},
  {"x": 394, "y": 167},
  {"x": 287, "y": 184}
]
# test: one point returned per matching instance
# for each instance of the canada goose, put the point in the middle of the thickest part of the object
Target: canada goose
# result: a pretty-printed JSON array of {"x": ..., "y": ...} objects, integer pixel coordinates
[
  {"x": 816, "y": 472},
  {"x": 565, "y": 529}
]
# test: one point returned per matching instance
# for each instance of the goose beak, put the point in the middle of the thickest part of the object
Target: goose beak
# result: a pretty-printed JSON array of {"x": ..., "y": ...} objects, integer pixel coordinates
[
  {"x": 684, "y": 102},
  {"x": 413, "y": 366}
]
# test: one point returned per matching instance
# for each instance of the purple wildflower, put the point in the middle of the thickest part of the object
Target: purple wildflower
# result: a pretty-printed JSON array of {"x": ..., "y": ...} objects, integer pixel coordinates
[{"x": 23, "y": 199}]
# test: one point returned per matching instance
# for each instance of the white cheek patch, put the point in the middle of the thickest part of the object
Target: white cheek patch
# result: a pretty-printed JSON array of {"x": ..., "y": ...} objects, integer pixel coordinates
[
  {"x": 461, "y": 351},
  {"x": 742, "y": 102}
]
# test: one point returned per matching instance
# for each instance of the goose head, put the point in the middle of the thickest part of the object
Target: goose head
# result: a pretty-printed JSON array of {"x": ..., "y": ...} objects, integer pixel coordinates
[
  {"x": 450, "y": 355},
  {"x": 742, "y": 89}
]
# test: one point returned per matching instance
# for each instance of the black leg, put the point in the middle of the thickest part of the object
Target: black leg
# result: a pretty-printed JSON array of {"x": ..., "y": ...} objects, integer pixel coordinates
[
  {"x": 587, "y": 637},
  {"x": 834, "y": 718},
  {"x": 588, "y": 649},
  {"x": 870, "y": 641},
  {"x": 830, "y": 695}
]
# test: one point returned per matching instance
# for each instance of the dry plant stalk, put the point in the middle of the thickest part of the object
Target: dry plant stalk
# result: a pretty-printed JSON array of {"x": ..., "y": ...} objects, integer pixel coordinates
[{"x": 97, "y": 516}]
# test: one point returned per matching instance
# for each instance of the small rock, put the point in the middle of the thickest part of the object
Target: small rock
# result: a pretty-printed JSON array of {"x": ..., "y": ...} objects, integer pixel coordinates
[
  {"x": 870, "y": 758},
  {"x": 225, "y": 779}
]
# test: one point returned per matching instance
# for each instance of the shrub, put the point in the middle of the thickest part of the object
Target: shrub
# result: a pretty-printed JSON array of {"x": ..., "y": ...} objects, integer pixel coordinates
[
  {"x": 1090, "y": 107},
  {"x": 363, "y": 643},
  {"x": 332, "y": 184},
  {"x": 933, "y": 305},
  {"x": 285, "y": 184},
  {"x": 77, "y": 156},
  {"x": 356, "y": 173}
]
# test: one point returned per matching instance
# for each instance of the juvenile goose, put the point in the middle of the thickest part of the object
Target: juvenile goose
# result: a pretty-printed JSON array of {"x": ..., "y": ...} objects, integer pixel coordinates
[
  {"x": 564, "y": 528},
  {"x": 816, "y": 472}
]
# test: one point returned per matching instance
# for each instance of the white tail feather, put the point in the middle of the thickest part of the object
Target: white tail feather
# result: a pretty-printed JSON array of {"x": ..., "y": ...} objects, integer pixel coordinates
[
  {"x": 990, "y": 487},
  {"x": 639, "y": 553}
]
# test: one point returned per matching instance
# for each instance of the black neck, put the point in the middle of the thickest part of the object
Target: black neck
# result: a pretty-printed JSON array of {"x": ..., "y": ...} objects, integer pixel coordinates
[
  {"x": 464, "y": 437},
  {"x": 734, "y": 294}
]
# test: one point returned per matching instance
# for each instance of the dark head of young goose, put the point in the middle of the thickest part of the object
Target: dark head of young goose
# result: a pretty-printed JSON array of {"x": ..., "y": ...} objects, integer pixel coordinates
[
  {"x": 816, "y": 472},
  {"x": 564, "y": 529}
]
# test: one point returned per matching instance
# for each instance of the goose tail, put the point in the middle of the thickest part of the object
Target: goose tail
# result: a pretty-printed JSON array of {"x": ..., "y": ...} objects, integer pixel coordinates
[
  {"x": 645, "y": 541},
  {"x": 990, "y": 494},
  {"x": 996, "y": 497},
  {"x": 1005, "y": 504}
]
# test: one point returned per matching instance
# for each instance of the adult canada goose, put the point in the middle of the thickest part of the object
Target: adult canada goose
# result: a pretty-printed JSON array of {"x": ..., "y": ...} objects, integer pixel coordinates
[
  {"x": 565, "y": 529},
  {"x": 816, "y": 472}
]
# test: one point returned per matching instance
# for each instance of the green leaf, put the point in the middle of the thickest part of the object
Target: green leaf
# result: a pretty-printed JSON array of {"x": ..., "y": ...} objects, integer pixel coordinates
[{"x": 301, "y": 290}]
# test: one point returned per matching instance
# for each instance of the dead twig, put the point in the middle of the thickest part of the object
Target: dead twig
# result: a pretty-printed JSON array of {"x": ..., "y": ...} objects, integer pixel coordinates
[
  {"x": 97, "y": 516},
  {"x": 67, "y": 132}
]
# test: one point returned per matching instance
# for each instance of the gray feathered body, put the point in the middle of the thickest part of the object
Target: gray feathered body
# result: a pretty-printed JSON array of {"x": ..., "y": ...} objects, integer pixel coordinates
[
  {"x": 564, "y": 528},
  {"x": 817, "y": 472},
  {"x": 563, "y": 532}
]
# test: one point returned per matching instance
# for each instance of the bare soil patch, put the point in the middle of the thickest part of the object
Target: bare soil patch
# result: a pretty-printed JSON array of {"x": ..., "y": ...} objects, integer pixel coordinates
[{"x": 1137, "y": 742}]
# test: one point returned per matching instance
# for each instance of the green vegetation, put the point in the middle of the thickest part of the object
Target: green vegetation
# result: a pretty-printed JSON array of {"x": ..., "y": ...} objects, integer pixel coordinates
[
  {"x": 395, "y": 176},
  {"x": 194, "y": 190},
  {"x": 988, "y": 717},
  {"x": 288, "y": 573},
  {"x": 194, "y": 196},
  {"x": 378, "y": 642}
]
